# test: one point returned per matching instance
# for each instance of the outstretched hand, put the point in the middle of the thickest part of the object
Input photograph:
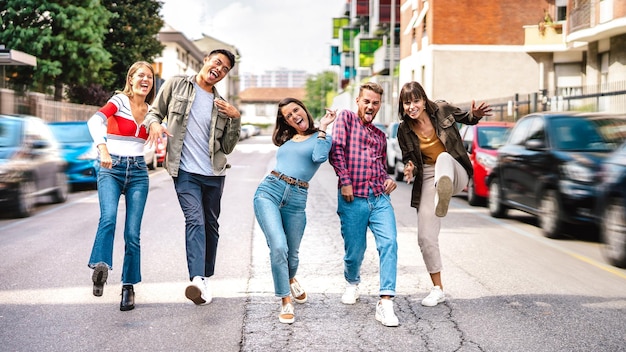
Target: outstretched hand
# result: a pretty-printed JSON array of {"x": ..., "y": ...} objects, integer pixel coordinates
[
  {"x": 328, "y": 118},
  {"x": 482, "y": 110}
]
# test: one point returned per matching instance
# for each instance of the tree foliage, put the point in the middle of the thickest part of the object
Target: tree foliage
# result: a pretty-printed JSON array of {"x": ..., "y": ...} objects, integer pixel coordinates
[
  {"x": 66, "y": 36},
  {"x": 132, "y": 36},
  {"x": 319, "y": 90}
]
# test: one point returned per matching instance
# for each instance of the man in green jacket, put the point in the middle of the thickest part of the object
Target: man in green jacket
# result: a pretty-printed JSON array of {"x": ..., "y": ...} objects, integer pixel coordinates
[{"x": 202, "y": 128}]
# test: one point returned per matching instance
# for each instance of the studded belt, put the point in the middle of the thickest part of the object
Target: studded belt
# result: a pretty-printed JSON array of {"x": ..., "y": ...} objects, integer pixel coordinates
[{"x": 291, "y": 180}]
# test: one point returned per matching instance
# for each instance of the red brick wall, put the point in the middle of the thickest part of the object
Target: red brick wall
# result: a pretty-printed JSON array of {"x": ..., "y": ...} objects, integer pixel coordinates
[{"x": 486, "y": 22}]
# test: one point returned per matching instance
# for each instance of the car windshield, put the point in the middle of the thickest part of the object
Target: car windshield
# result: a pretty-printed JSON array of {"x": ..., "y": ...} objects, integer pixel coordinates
[
  {"x": 71, "y": 133},
  {"x": 492, "y": 137},
  {"x": 588, "y": 134},
  {"x": 10, "y": 132}
]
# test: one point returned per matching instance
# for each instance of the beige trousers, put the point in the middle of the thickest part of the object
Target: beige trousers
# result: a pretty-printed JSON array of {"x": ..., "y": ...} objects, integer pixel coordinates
[{"x": 428, "y": 224}]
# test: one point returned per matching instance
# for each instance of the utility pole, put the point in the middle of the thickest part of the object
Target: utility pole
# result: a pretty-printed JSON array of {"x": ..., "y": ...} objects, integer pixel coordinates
[{"x": 392, "y": 44}]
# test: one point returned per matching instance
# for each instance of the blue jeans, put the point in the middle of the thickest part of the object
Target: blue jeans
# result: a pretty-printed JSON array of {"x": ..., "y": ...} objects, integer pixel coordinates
[
  {"x": 200, "y": 200},
  {"x": 375, "y": 212},
  {"x": 128, "y": 176},
  {"x": 280, "y": 211}
]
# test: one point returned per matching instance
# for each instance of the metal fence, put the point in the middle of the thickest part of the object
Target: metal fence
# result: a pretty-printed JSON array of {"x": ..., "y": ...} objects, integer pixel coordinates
[
  {"x": 608, "y": 97},
  {"x": 39, "y": 105}
]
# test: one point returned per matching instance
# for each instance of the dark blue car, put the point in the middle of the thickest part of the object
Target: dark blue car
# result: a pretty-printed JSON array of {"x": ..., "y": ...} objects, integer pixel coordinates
[
  {"x": 611, "y": 207},
  {"x": 78, "y": 150},
  {"x": 550, "y": 164}
]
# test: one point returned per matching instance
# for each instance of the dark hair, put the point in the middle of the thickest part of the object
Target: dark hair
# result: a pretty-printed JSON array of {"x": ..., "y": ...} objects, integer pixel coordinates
[
  {"x": 282, "y": 130},
  {"x": 128, "y": 88},
  {"x": 228, "y": 54},
  {"x": 414, "y": 91}
]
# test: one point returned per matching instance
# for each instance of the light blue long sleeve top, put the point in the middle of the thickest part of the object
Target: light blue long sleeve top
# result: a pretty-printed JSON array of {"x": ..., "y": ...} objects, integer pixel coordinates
[{"x": 301, "y": 160}]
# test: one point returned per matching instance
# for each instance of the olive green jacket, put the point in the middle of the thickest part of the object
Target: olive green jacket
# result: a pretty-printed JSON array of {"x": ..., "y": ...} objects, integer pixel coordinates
[{"x": 173, "y": 103}]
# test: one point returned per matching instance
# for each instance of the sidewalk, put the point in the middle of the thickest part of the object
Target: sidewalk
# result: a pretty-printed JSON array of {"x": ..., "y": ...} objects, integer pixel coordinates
[{"x": 323, "y": 323}]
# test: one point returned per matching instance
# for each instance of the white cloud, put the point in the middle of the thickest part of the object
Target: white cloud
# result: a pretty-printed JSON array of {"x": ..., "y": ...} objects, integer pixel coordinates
[{"x": 269, "y": 34}]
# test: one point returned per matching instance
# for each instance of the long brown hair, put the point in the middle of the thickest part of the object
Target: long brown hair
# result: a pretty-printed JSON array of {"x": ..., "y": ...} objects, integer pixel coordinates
[{"x": 282, "y": 130}]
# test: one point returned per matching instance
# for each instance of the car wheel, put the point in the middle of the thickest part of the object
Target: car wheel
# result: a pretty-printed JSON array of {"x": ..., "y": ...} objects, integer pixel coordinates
[
  {"x": 613, "y": 234},
  {"x": 472, "y": 198},
  {"x": 550, "y": 214},
  {"x": 26, "y": 198},
  {"x": 496, "y": 208},
  {"x": 60, "y": 194}
]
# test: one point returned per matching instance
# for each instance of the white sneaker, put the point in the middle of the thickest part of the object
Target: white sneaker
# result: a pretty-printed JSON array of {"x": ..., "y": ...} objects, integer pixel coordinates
[
  {"x": 385, "y": 313},
  {"x": 444, "y": 193},
  {"x": 208, "y": 293},
  {"x": 351, "y": 295},
  {"x": 196, "y": 291},
  {"x": 435, "y": 297}
]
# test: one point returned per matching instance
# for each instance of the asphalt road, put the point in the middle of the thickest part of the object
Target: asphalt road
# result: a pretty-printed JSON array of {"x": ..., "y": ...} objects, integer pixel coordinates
[{"x": 508, "y": 288}]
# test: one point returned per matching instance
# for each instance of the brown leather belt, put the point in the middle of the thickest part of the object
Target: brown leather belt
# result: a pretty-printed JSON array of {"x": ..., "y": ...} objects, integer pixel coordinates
[{"x": 291, "y": 180}]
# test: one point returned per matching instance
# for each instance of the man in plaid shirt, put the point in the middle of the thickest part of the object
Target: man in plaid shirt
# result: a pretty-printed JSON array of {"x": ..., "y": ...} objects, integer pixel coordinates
[{"x": 358, "y": 155}]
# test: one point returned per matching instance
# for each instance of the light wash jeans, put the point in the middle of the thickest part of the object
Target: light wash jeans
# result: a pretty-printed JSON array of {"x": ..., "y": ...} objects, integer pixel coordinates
[
  {"x": 127, "y": 176},
  {"x": 375, "y": 212},
  {"x": 280, "y": 211},
  {"x": 200, "y": 200}
]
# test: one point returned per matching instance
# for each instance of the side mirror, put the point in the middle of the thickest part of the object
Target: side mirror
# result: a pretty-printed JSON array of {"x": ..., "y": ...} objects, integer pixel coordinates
[{"x": 535, "y": 144}]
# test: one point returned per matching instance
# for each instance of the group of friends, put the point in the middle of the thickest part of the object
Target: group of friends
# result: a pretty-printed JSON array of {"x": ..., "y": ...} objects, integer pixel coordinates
[{"x": 202, "y": 128}]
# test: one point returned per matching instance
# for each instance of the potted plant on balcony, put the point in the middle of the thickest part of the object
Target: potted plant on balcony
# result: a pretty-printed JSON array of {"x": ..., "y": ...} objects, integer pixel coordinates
[{"x": 547, "y": 22}]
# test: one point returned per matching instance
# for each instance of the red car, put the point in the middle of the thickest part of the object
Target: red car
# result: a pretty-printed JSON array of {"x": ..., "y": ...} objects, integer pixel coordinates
[
  {"x": 160, "y": 149},
  {"x": 481, "y": 142}
]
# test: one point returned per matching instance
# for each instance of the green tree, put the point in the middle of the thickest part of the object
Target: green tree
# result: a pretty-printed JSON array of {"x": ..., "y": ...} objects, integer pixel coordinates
[
  {"x": 66, "y": 36},
  {"x": 132, "y": 36},
  {"x": 319, "y": 90}
]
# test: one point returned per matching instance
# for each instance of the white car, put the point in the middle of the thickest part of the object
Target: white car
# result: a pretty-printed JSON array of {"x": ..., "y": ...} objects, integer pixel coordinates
[{"x": 394, "y": 154}]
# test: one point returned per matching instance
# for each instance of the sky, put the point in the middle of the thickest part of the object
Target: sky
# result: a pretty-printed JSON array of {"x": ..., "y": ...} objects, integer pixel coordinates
[{"x": 269, "y": 34}]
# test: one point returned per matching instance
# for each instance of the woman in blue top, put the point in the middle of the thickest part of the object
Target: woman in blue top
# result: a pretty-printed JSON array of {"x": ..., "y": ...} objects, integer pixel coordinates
[{"x": 280, "y": 199}]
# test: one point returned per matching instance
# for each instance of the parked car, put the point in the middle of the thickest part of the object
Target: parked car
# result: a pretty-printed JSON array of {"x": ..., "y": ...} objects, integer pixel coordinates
[
  {"x": 394, "y": 154},
  {"x": 550, "y": 165},
  {"x": 150, "y": 156},
  {"x": 481, "y": 142},
  {"x": 611, "y": 207},
  {"x": 31, "y": 164},
  {"x": 161, "y": 149},
  {"x": 78, "y": 150},
  {"x": 251, "y": 130}
]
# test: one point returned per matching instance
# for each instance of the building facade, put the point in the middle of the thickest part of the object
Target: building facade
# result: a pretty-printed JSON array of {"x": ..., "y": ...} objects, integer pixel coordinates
[
  {"x": 280, "y": 78},
  {"x": 485, "y": 50}
]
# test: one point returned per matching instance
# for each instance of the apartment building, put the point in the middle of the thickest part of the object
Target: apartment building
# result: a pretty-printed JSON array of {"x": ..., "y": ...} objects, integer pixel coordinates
[
  {"x": 464, "y": 50},
  {"x": 279, "y": 78},
  {"x": 483, "y": 50}
]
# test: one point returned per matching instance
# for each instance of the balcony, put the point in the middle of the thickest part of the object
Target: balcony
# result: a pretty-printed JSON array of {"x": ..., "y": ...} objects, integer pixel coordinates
[{"x": 544, "y": 37}]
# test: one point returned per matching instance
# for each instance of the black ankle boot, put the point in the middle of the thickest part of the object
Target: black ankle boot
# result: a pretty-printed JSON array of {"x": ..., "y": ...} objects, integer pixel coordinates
[{"x": 128, "y": 298}]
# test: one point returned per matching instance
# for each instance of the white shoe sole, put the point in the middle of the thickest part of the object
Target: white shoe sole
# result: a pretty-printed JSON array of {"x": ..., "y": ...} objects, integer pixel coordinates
[
  {"x": 349, "y": 301},
  {"x": 430, "y": 304}
]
